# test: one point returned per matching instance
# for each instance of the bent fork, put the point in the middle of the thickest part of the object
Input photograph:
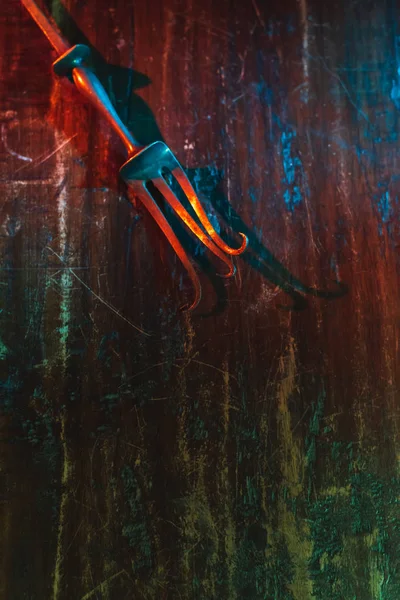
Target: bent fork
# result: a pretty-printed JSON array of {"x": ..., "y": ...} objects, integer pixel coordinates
[{"x": 144, "y": 164}]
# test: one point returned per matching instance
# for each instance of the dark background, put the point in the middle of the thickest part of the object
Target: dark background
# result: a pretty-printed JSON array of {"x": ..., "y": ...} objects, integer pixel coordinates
[{"x": 249, "y": 449}]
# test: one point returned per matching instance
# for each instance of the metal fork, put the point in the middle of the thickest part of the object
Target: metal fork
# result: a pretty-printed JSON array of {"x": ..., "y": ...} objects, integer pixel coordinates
[{"x": 145, "y": 164}]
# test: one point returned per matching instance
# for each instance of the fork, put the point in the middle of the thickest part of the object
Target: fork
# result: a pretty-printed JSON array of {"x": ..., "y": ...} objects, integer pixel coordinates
[{"x": 153, "y": 163}]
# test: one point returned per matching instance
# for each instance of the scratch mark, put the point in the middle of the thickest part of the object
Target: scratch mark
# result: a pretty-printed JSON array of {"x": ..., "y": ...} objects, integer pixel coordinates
[
  {"x": 26, "y": 182},
  {"x": 344, "y": 87},
  {"x": 43, "y": 158},
  {"x": 72, "y": 540},
  {"x": 133, "y": 446},
  {"x": 7, "y": 147},
  {"x": 257, "y": 11},
  {"x": 56, "y": 150},
  {"x": 102, "y": 586},
  {"x": 187, "y": 361},
  {"x": 216, "y": 31},
  {"x": 200, "y": 362},
  {"x": 160, "y": 364},
  {"x": 107, "y": 304}
]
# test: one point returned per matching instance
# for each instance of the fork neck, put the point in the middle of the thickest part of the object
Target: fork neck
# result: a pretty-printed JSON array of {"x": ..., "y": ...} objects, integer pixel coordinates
[
  {"x": 72, "y": 63},
  {"x": 89, "y": 85}
]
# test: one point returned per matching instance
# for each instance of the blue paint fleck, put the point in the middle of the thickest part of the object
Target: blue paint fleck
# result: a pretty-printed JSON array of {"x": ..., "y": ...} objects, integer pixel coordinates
[
  {"x": 288, "y": 162},
  {"x": 293, "y": 168},
  {"x": 395, "y": 91},
  {"x": 253, "y": 194},
  {"x": 385, "y": 207},
  {"x": 264, "y": 93}
]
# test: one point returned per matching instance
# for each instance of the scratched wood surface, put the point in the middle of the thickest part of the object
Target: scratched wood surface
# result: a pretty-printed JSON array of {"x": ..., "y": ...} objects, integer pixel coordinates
[{"x": 249, "y": 449}]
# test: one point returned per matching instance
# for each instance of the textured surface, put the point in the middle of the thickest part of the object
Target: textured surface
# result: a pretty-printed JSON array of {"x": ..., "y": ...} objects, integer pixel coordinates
[{"x": 248, "y": 450}]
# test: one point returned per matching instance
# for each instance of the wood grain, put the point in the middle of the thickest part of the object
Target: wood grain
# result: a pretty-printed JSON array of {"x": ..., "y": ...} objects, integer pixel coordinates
[{"x": 250, "y": 449}]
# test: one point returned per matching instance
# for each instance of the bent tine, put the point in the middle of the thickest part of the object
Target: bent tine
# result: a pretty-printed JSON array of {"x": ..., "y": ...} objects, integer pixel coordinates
[
  {"x": 181, "y": 211},
  {"x": 144, "y": 164},
  {"x": 158, "y": 216},
  {"x": 187, "y": 187}
]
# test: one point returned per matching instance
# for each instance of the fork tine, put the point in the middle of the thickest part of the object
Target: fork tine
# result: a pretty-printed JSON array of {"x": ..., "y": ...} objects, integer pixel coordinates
[
  {"x": 151, "y": 205},
  {"x": 191, "y": 195},
  {"x": 181, "y": 211}
]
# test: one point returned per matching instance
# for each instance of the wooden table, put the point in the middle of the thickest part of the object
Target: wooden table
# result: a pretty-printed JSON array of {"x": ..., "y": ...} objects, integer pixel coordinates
[{"x": 248, "y": 450}]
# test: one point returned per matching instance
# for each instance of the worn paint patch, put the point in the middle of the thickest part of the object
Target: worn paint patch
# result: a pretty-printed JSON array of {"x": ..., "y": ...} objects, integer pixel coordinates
[
  {"x": 292, "y": 464},
  {"x": 135, "y": 529},
  {"x": 65, "y": 318}
]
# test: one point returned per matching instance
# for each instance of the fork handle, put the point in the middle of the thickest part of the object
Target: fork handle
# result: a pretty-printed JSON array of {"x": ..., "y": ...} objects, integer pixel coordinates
[
  {"x": 72, "y": 61},
  {"x": 90, "y": 87}
]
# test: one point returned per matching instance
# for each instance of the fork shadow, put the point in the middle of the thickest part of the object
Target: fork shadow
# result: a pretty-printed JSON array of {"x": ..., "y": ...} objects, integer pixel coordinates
[
  {"x": 121, "y": 83},
  {"x": 257, "y": 255}
]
